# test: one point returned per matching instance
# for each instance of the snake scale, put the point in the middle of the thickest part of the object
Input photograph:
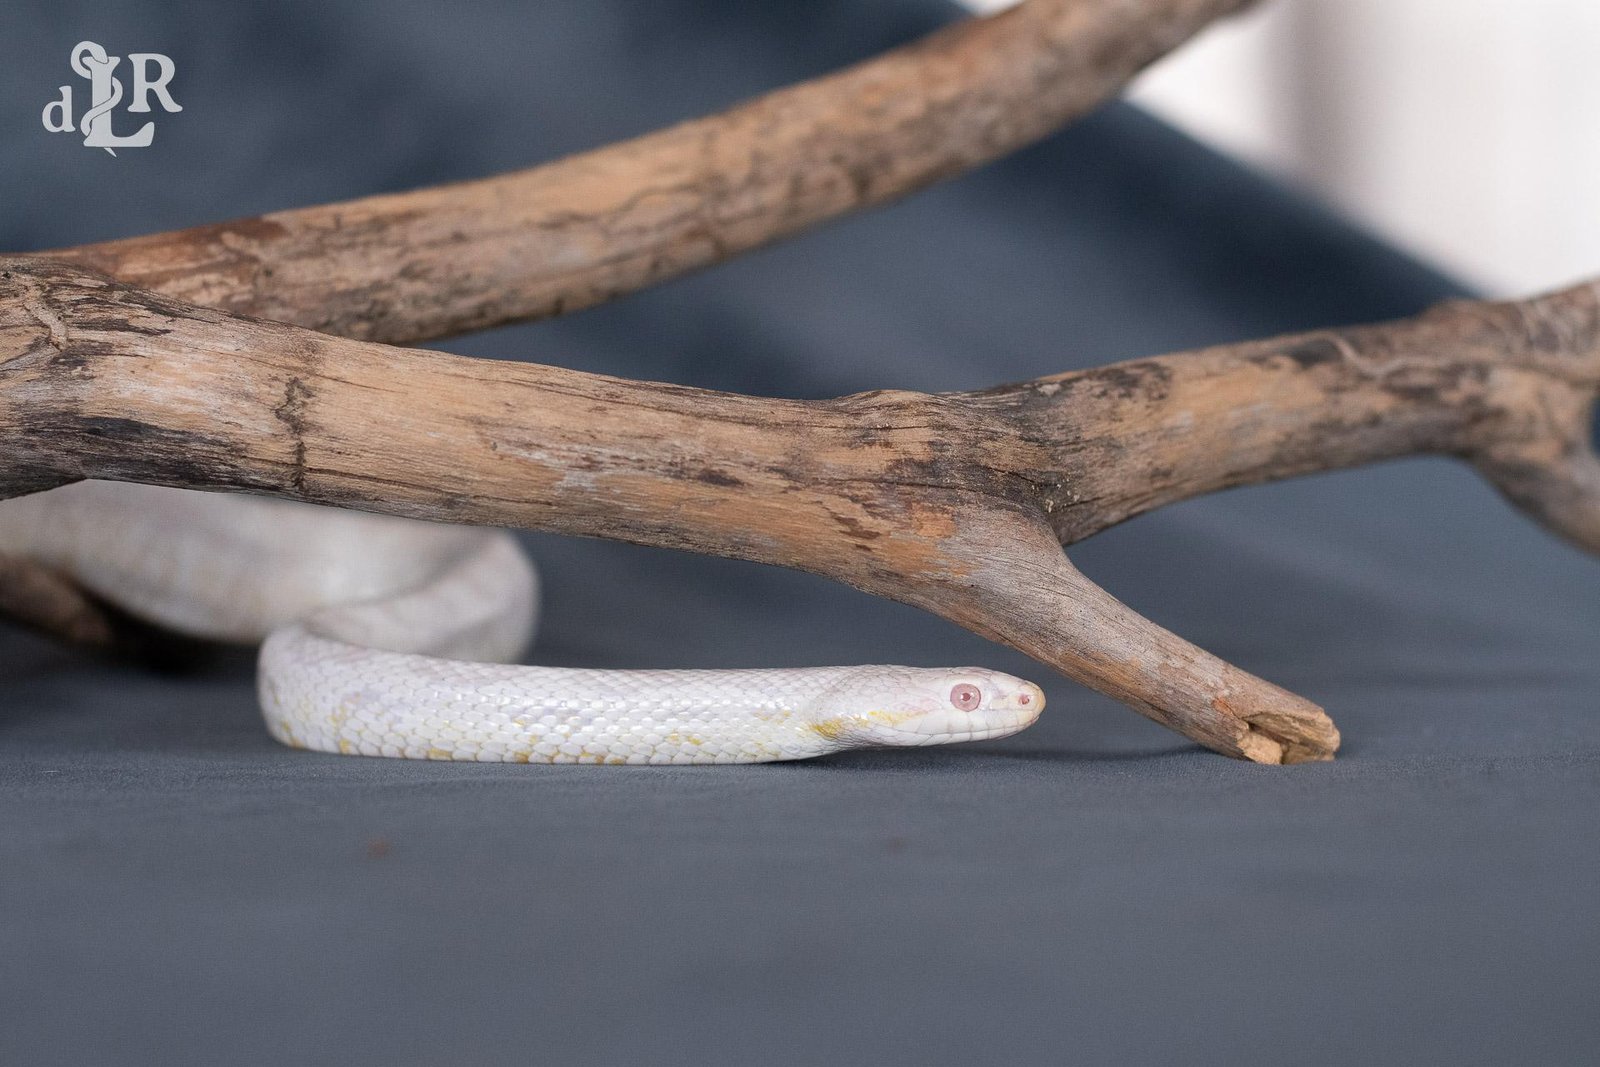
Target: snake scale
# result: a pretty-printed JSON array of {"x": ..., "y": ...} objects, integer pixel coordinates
[{"x": 384, "y": 636}]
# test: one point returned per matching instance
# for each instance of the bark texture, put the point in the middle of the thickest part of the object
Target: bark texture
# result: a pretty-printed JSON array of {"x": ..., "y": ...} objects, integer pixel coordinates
[{"x": 958, "y": 503}]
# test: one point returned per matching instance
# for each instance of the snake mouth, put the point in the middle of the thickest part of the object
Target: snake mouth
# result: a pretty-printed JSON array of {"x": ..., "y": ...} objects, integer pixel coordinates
[
  {"x": 988, "y": 731},
  {"x": 988, "y": 734}
]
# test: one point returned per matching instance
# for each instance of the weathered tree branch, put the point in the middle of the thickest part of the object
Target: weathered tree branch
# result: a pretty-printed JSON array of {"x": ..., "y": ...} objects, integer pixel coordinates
[
  {"x": 581, "y": 230},
  {"x": 958, "y": 503}
]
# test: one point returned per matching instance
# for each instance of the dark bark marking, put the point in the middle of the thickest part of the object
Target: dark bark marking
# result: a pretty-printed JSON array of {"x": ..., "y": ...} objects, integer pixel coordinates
[{"x": 292, "y": 414}]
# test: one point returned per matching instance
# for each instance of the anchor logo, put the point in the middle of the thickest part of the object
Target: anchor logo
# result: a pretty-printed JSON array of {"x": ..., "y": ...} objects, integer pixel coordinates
[{"x": 90, "y": 61}]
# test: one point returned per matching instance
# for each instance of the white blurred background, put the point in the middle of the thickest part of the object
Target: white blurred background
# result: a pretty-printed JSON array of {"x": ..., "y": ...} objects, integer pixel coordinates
[{"x": 1466, "y": 131}]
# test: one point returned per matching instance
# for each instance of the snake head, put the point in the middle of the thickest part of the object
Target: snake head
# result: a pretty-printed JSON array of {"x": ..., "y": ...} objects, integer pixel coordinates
[{"x": 897, "y": 706}]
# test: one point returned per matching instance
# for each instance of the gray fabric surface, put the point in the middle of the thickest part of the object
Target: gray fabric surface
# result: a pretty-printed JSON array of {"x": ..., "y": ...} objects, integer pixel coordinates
[{"x": 175, "y": 888}]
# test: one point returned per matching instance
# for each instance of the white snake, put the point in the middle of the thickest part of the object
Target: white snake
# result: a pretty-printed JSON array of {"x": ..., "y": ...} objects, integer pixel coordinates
[{"x": 387, "y": 637}]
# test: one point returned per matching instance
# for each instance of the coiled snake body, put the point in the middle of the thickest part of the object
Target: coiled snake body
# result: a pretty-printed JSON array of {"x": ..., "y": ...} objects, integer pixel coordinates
[{"x": 388, "y": 637}]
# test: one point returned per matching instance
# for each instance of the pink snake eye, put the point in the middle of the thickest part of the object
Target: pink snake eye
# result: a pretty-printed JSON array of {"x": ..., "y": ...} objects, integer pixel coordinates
[{"x": 966, "y": 697}]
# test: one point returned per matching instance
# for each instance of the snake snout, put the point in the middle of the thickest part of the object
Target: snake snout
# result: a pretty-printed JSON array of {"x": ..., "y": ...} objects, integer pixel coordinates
[{"x": 1016, "y": 704}]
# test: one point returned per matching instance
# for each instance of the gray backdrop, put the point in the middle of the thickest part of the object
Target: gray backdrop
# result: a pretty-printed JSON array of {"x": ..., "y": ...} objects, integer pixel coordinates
[{"x": 175, "y": 888}]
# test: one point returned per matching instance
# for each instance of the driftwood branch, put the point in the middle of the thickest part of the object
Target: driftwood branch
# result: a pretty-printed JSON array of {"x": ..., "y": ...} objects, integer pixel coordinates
[
  {"x": 959, "y": 503},
  {"x": 426, "y": 264}
]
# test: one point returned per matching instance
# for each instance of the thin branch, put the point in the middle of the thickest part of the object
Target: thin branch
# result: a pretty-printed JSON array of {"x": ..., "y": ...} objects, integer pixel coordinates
[{"x": 581, "y": 230}]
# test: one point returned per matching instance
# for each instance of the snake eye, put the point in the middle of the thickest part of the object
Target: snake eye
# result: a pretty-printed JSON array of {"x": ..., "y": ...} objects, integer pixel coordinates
[{"x": 966, "y": 697}]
